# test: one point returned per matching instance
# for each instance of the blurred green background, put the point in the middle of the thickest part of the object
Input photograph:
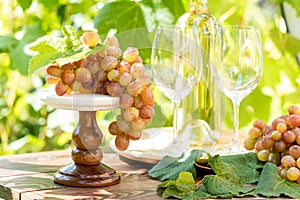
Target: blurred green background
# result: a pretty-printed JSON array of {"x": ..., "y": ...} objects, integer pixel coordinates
[{"x": 28, "y": 125}]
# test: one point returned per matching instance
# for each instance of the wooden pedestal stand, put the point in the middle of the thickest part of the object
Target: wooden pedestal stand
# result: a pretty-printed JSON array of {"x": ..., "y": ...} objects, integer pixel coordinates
[{"x": 87, "y": 169}]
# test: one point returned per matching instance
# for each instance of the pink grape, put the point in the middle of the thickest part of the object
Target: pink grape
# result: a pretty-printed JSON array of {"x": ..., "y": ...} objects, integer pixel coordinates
[
  {"x": 83, "y": 74},
  {"x": 126, "y": 100},
  {"x": 61, "y": 88},
  {"x": 114, "y": 89},
  {"x": 294, "y": 110},
  {"x": 125, "y": 79},
  {"x": 68, "y": 77},
  {"x": 137, "y": 69},
  {"x": 111, "y": 41},
  {"x": 134, "y": 88},
  {"x": 122, "y": 141},
  {"x": 147, "y": 112},
  {"x": 123, "y": 67},
  {"x": 109, "y": 63},
  {"x": 114, "y": 51},
  {"x": 55, "y": 71}
]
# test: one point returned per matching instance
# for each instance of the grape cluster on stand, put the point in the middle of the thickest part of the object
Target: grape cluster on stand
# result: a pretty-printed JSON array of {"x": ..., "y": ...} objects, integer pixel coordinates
[
  {"x": 115, "y": 73},
  {"x": 278, "y": 143}
]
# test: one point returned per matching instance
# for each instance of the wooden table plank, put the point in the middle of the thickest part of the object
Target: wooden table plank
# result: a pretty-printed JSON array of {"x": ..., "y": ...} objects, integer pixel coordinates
[
  {"x": 133, "y": 186},
  {"x": 31, "y": 163},
  {"x": 29, "y": 176}
]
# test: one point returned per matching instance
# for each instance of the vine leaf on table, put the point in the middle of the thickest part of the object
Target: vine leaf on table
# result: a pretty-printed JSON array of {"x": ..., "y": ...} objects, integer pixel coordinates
[
  {"x": 169, "y": 167},
  {"x": 246, "y": 166},
  {"x": 270, "y": 184},
  {"x": 226, "y": 181}
]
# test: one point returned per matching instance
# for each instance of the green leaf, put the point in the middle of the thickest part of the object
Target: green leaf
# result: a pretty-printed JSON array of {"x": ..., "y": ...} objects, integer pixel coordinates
[
  {"x": 175, "y": 7},
  {"x": 71, "y": 37},
  {"x": 25, "y": 3},
  {"x": 48, "y": 48},
  {"x": 49, "y": 4},
  {"x": 245, "y": 166},
  {"x": 170, "y": 167},
  {"x": 226, "y": 181},
  {"x": 7, "y": 42},
  {"x": 52, "y": 50},
  {"x": 272, "y": 185},
  {"x": 128, "y": 16},
  {"x": 19, "y": 60},
  {"x": 182, "y": 188}
]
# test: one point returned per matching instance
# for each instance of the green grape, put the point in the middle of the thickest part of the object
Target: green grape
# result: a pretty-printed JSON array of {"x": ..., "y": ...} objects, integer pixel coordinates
[
  {"x": 293, "y": 174},
  {"x": 276, "y": 135},
  {"x": 275, "y": 158},
  {"x": 263, "y": 155},
  {"x": 113, "y": 75}
]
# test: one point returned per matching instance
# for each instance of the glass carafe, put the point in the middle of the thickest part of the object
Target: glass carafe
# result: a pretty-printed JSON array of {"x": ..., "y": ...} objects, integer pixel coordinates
[{"x": 204, "y": 108}]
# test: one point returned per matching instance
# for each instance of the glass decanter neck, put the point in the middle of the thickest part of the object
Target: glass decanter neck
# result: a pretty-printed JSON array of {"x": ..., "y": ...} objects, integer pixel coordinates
[{"x": 198, "y": 7}]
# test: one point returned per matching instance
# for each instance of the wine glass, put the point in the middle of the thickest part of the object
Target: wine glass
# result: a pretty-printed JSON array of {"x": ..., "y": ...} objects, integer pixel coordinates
[
  {"x": 174, "y": 67},
  {"x": 239, "y": 71}
]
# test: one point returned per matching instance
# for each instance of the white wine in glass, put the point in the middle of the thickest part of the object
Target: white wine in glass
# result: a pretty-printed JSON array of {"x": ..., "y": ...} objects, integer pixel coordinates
[{"x": 239, "y": 71}]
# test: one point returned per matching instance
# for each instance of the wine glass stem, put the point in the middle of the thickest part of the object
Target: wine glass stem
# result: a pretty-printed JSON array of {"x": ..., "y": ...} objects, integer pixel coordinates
[
  {"x": 176, "y": 115},
  {"x": 235, "y": 138}
]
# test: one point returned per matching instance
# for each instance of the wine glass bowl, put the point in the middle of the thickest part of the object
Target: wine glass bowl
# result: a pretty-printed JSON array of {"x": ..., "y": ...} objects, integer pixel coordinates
[
  {"x": 174, "y": 67},
  {"x": 240, "y": 69}
]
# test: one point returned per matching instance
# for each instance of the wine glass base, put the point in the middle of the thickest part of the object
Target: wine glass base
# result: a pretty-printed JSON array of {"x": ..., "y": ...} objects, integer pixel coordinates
[{"x": 228, "y": 150}]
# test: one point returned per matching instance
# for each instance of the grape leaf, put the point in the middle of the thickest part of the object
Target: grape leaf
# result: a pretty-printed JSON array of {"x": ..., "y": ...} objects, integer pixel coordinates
[
  {"x": 245, "y": 165},
  {"x": 49, "y": 48},
  {"x": 181, "y": 188},
  {"x": 52, "y": 50},
  {"x": 129, "y": 17},
  {"x": 170, "y": 167},
  {"x": 226, "y": 181},
  {"x": 270, "y": 184}
]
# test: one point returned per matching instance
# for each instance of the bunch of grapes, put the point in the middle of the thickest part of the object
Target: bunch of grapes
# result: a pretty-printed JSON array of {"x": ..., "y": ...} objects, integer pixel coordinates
[
  {"x": 278, "y": 143},
  {"x": 113, "y": 73}
]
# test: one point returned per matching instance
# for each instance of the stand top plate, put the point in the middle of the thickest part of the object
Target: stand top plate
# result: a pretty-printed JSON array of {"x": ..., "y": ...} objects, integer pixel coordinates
[{"x": 79, "y": 101}]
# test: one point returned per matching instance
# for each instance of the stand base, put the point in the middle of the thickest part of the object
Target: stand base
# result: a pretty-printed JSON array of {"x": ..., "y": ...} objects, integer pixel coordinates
[{"x": 87, "y": 175}]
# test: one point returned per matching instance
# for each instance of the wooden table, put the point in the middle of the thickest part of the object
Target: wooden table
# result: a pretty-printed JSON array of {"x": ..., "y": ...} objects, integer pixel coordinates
[{"x": 30, "y": 176}]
